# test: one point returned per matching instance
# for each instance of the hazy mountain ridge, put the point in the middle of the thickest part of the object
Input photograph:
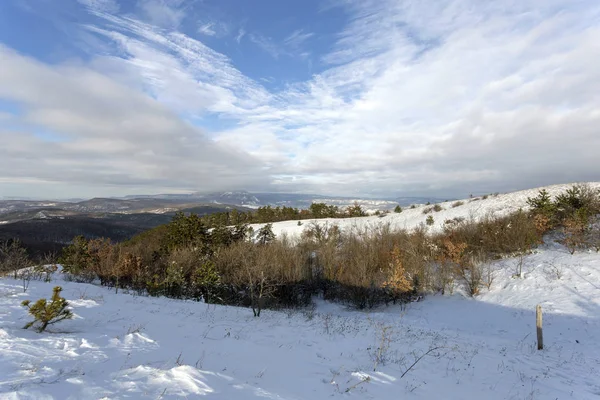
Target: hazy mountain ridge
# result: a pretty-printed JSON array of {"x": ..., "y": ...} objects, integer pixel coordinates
[{"x": 14, "y": 210}]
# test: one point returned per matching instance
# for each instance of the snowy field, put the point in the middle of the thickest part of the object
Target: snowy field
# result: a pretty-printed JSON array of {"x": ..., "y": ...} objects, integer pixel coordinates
[{"x": 122, "y": 346}]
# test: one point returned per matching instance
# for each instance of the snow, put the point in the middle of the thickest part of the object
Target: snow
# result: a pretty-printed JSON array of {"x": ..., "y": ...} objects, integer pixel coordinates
[
  {"x": 123, "y": 346},
  {"x": 126, "y": 346},
  {"x": 494, "y": 206}
]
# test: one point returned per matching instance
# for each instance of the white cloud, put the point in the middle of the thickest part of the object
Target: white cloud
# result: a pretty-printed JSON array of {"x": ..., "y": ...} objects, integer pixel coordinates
[
  {"x": 110, "y": 6},
  {"x": 164, "y": 13},
  {"x": 207, "y": 29},
  {"x": 240, "y": 35},
  {"x": 446, "y": 97},
  {"x": 297, "y": 38},
  {"x": 107, "y": 134},
  {"x": 266, "y": 44},
  {"x": 213, "y": 28}
]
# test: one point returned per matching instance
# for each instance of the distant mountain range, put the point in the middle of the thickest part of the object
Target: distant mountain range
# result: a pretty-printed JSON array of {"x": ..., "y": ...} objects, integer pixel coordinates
[
  {"x": 297, "y": 200},
  {"x": 47, "y": 225},
  {"x": 167, "y": 204}
]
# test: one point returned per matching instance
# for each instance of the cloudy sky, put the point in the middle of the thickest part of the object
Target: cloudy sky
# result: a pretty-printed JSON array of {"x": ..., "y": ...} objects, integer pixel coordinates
[{"x": 349, "y": 97}]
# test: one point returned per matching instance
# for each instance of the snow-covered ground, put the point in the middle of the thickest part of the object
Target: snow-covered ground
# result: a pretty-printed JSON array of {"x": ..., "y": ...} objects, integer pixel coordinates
[
  {"x": 499, "y": 205},
  {"x": 122, "y": 346}
]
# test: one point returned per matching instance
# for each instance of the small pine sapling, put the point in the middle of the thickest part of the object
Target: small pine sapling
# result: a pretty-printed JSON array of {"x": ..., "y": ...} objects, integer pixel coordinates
[{"x": 45, "y": 314}]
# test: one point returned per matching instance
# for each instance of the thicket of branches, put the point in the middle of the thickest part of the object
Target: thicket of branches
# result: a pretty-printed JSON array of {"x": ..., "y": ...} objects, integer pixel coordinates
[{"x": 360, "y": 267}]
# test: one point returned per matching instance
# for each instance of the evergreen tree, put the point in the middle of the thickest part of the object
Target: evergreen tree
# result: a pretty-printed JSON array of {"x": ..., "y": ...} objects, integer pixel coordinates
[
  {"x": 76, "y": 257},
  {"x": 265, "y": 234},
  {"x": 45, "y": 314}
]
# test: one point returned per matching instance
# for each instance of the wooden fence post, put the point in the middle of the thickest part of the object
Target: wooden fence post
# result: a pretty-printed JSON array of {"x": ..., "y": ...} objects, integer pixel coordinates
[{"x": 538, "y": 324}]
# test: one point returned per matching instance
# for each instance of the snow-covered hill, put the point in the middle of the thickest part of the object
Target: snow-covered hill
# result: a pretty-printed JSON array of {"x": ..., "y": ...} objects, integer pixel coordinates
[
  {"x": 409, "y": 218},
  {"x": 122, "y": 346}
]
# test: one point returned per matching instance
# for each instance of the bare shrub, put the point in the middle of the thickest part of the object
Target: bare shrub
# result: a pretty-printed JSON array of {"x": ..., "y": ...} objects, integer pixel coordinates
[
  {"x": 25, "y": 275},
  {"x": 576, "y": 229},
  {"x": 397, "y": 282},
  {"x": 380, "y": 351},
  {"x": 457, "y": 204},
  {"x": 495, "y": 237},
  {"x": 13, "y": 257},
  {"x": 519, "y": 265},
  {"x": 554, "y": 270},
  {"x": 44, "y": 272},
  {"x": 437, "y": 208},
  {"x": 452, "y": 223},
  {"x": 449, "y": 258},
  {"x": 259, "y": 286},
  {"x": 471, "y": 270},
  {"x": 488, "y": 274},
  {"x": 593, "y": 236}
]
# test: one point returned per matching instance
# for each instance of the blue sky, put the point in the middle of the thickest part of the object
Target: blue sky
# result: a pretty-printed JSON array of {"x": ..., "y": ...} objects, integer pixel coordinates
[{"x": 370, "y": 97}]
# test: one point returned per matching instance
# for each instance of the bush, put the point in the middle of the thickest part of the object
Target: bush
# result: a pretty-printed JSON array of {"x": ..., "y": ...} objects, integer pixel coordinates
[
  {"x": 457, "y": 204},
  {"x": 574, "y": 210},
  {"x": 578, "y": 197},
  {"x": 542, "y": 205},
  {"x": 45, "y": 314},
  {"x": 437, "y": 208},
  {"x": 397, "y": 283},
  {"x": 429, "y": 220},
  {"x": 398, "y": 209},
  {"x": 13, "y": 257},
  {"x": 355, "y": 210},
  {"x": 576, "y": 229}
]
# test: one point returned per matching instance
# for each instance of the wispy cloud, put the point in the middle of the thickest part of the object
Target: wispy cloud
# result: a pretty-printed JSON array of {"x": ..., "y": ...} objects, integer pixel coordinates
[
  {"x": 213, "y": 28},
  {"x": 240, "y": 35},
  {"x": 266, "y": 44},
  {"x": 207, "y": 29},
  {"x": 291, "y": 46},
  {"x": 164, "y": 13},
  {"x": 297, "y": 38},
  {"x": 101, "y": 5}
]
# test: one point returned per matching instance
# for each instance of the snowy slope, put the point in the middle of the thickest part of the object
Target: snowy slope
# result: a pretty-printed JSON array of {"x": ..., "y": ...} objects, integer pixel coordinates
[
  {"x": 125, "y": 347},
  {"x": 121, "y": 346},
  {"x": 499, "y": 205}
]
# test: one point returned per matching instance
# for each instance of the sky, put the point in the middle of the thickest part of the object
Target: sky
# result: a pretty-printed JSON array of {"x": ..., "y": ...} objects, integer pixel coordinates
[{"x": 373, "y": 98}]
